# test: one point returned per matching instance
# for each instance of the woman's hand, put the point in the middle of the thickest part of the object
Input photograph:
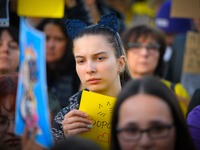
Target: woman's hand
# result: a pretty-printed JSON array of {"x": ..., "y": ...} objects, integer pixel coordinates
[
  {"x": 70, "y": 3},
  {"x": 28, "y": 143},
  {"x": 76, "y": 122}
]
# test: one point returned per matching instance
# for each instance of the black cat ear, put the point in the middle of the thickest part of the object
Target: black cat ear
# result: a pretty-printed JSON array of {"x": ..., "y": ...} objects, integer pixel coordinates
[{"x": 74, "y": 26}]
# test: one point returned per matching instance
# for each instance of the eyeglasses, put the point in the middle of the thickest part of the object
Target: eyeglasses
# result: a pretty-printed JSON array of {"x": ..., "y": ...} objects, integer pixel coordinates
[
  {"x": 136, "y": 47},
  {"x": 135, "y": 134},
  {"x": 4, "y": 123}
]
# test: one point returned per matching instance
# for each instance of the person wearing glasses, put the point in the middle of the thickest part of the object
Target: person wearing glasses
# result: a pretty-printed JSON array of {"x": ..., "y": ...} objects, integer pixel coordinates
[
  {"x": 8, "y": 88},
  {"x": 147, "y": 116},
  {"x": 145, "y": 47},
  {"x": 8, "y": 139}
]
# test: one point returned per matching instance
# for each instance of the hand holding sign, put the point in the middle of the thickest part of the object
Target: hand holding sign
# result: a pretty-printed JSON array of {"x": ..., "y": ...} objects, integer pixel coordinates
[{"x": 75, "y": 122}]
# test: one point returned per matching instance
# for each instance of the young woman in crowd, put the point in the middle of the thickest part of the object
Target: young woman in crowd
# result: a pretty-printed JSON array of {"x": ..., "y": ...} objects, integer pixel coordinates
[
  {"x": 145, "y": 47},
  {"x": 100, "y": 60},
  {"x": 9, "y": 50},
  {"x": 147, "y": 116},
  {"x": 62, "y": 78}
]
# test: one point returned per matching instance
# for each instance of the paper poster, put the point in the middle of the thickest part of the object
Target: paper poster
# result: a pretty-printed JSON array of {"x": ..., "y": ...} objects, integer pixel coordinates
[
  {"x": 41, "y": 8},
  {"x": 190, "y": 77},
  {"x": 32, "y": 101},
  {"x": 100, "y": 109},
  {"x": 4, "y": 13},
  {"x": 185, "y": 8},
  {"x": 191, "y": 63}
]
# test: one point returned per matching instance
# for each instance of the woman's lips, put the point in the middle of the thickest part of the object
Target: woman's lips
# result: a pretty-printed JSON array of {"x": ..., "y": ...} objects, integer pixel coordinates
[
  {"x": 93, "y": 81},
  {"x": 3, "y": 58},
  {"x": 13, "y": 141}
]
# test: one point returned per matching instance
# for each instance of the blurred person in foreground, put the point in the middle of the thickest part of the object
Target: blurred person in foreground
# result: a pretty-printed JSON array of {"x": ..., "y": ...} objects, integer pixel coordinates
[
  {"x": 9, "y": 140},
  {"x": 147, "y": 116}
]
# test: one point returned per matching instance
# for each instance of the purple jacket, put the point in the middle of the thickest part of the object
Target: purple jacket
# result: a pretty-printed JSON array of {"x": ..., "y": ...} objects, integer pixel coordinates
[{"x": 193, "y": 122}]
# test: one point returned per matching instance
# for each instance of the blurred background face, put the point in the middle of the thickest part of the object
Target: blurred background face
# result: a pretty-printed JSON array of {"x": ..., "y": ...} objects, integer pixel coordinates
[
  {"x": 9, "y": 141},
  {"x": 143, "y": 62},
  {"x": 56, "y": 43},
  {"x": 144, "y": 111},
  {"x": 9, "y": 53},
  {"x": 197, "y": 24}
]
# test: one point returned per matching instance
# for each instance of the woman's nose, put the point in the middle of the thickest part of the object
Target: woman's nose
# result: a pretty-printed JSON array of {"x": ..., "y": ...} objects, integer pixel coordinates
[
  {"x": 90, "y": 68},
  {"x": 144, "y": 51},
  {"x": 10, "y": 129},
  {"x": 50, "y": 43},
  {"x": 4, "y": 47},
  {"x": 145, "y": 141}
]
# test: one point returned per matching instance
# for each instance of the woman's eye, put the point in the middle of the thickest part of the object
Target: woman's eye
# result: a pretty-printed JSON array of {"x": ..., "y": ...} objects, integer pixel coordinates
[
  {"x": 80, "y": 61},
  {"x": 100, "y": 58},
  {"x": 157, "y": 129},
  {"x": 13, "y": 45},
  {"x": 59, "y": 39},
  {"x": 132, "y": 130}
]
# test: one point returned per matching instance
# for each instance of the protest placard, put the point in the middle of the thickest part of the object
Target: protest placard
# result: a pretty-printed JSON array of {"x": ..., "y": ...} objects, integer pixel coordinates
[
  {"x": 190, "y": 77},
  {"x": 32, "y": 107},
  {"x": 100, "y": 109},
  {"x": 185, "y": 8},
  {"x": 191, "y": 63},
  {"x": 41, "y": 8}
]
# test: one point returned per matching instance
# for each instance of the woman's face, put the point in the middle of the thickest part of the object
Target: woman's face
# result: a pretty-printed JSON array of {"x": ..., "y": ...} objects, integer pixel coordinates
[
  {"x": 56, "y": 43},
  {"x": 142, "y": 62},
  {"x": 9, "y": 53},
  {"x": 142, "y": 112},
  {"x": 9, "y": 141},
  {"x": 96, "y": 64}
]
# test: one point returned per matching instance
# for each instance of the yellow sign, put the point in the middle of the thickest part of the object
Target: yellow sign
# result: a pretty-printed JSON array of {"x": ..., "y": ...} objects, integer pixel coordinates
[
  {"x": 100, "y": 109},
  {"x": 41, "y": 8},
  {"x": 191, "y": 63}
]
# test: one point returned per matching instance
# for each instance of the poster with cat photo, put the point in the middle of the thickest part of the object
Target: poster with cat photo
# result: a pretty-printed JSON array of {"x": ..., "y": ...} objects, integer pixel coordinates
[{"x": 32, "y": 108}]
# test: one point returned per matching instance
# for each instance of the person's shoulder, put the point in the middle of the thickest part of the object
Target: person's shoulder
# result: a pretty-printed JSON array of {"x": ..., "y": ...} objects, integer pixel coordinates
[
  {"x": 177, "y": 88},
  {"x": 166, "y": 82}
]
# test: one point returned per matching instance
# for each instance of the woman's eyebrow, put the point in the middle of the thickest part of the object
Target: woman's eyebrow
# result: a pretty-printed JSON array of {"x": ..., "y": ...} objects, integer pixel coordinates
[
  {"x": 132, "y": 124},
  {"x": 79, "y": 56},
  {"x": 157, "y": 122},
  {"x": 100, "y": 53}
]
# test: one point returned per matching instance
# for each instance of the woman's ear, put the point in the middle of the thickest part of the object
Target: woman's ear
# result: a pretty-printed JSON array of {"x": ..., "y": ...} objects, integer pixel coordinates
[{"x": 122, "y": 63}]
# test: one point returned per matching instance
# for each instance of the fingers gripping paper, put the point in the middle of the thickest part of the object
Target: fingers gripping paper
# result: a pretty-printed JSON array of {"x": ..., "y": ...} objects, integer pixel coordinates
[{"x": 99, "y": 109}]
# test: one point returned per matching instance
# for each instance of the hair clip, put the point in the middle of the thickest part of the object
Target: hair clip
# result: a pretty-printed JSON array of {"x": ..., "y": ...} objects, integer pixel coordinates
[
  {"x": 74, "y": 26},
  {"x": 109, "y": 21}
]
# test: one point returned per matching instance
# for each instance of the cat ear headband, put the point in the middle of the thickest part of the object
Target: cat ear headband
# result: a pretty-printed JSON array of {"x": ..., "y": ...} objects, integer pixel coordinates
[{"x": 108, "y": 21}]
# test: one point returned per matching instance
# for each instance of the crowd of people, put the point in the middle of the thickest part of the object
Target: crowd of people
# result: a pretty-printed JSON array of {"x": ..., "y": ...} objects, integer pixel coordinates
[{"x": 115, "y": 48}]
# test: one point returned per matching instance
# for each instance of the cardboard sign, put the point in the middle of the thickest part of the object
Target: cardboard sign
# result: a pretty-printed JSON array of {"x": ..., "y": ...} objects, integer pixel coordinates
[
  {"x": 32, "y": 103},
  {"x": 100, "y": 109},
  {"x": 191, "y": 63},
  {"x": 41, "y": 8},
  {"x": 185, "y": 8}
]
